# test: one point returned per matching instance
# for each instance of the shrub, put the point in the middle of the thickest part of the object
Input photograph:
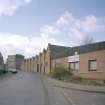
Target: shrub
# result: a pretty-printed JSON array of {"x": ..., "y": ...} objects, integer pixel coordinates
[
  {"x": 75, "y": 79},
  {"x": 60, "y": 73}
]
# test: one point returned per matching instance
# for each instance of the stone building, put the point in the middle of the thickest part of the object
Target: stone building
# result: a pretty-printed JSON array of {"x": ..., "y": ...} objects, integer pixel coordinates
[
  {"x": 15, "y": 62},
  {"x": 1, "y": 62}
]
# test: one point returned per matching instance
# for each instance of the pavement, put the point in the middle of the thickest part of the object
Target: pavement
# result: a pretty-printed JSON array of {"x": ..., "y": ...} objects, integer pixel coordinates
[
  {"x": 35, "y": 89},
  {"x": 68, "y": 85}
]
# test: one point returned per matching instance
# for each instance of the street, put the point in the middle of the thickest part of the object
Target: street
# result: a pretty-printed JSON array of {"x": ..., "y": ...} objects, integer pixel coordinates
[{"x": 35, "y": 89}]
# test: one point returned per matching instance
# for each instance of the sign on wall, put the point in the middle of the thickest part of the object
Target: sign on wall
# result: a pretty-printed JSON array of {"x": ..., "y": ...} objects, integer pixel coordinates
[{"x": 74, "y": 58}]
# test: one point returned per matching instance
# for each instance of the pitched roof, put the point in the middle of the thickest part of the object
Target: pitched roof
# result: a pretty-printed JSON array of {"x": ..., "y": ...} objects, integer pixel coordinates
[
  {"x": 87, "y": 48},
  {"x": 62, "y": 51},
  {"x": 57, "y": 50}
]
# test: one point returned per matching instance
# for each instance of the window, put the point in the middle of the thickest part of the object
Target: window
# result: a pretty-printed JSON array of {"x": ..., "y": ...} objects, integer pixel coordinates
[
  {"x": 77, "y": 65},
  {"x": 74, "y": 65},
  {"x": 92, "y": 65}
]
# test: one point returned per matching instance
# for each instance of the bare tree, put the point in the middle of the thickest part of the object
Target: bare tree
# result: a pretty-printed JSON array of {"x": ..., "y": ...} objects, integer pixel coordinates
[{"x": 87, "y": 39}]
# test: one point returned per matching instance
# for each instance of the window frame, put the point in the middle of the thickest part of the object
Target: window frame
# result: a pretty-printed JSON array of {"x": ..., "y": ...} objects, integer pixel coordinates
[
  {"x": 74, "y": 64},
  {"x": 89, "y": 65}
]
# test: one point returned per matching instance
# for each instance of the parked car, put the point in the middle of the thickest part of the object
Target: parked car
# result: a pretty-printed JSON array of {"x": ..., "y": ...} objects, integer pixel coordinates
[{"x": 13, "y": 70}]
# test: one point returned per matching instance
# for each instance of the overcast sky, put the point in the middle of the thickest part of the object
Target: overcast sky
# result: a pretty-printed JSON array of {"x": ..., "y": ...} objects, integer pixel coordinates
[{"x": 27, "y": 26}]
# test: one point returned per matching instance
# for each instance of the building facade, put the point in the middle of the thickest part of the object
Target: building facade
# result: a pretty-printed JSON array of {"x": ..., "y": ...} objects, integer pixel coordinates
[
  {"x": 1, "y": 62},
  {"x": 86, "y": 61},
  {"x": 15, "y": 62}
]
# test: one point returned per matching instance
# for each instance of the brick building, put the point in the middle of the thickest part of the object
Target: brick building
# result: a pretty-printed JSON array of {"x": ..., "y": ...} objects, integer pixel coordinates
[
  {"x": 87, "y": 61},
  {"x": 42, "y": 62}
]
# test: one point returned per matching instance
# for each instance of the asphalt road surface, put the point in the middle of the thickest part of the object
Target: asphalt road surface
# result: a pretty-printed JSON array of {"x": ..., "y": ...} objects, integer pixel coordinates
[{"x": 35, "y": 89}]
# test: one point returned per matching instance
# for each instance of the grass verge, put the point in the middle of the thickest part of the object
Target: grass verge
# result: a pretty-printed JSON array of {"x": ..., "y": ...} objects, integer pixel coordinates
[{"x": 61, "y": 73}]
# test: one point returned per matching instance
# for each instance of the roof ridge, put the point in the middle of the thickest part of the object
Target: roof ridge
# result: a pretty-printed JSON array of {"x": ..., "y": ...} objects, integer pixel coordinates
[
  {"x": 94, "y": 43},
  {"x": 59, "y": 45}
]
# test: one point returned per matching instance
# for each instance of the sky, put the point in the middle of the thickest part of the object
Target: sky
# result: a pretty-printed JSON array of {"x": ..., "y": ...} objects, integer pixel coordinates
[{"x": 27, "y": 26}]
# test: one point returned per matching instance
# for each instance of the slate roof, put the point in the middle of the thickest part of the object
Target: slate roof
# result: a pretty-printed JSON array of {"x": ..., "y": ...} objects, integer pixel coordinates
[
  {"x": 87, "y": 48},
  {"x": 62, "y": 51},
  {"x": 57, "y": 50},
  {"x": 19, "y": 55}
]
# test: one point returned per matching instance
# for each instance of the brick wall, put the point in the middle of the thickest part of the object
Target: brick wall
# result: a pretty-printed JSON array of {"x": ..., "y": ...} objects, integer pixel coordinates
[{"x": 84, "y": 72}]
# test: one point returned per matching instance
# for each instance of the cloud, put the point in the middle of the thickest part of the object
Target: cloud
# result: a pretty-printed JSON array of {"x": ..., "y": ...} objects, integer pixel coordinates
[
  {"x": 19, "y": 44},
  {"x": 88, "y": 24},
  {"x": 91, "y": 24},
  {"x": 65, "y": 19},
  {"x": 8, "y": 7},
  {"x": 80, "y": 36},
  {"x": 49, "y": 30},
  {"x": 77, "y": 30},
  {"x": 66, "y": 30}
]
